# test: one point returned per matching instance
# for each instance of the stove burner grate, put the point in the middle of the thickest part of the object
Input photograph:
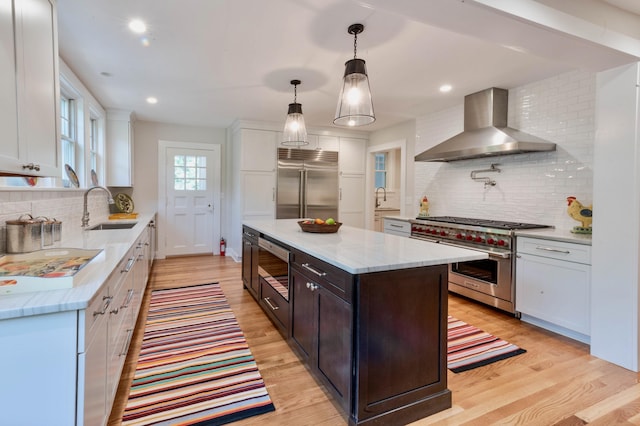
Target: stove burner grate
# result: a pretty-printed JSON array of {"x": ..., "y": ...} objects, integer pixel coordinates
[{"x": 487, "y": 223}]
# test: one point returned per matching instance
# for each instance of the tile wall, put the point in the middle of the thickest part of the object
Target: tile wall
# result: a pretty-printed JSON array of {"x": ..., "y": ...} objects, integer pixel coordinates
[
  {"x": 63, "y": 205},
  {"x": 530, "y": 187}
]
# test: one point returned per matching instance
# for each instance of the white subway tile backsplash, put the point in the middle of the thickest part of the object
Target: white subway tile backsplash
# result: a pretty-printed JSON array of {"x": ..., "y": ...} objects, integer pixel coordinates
[
  {"x": 530, "y": 187},
  {"x": 65, "y": 206}
]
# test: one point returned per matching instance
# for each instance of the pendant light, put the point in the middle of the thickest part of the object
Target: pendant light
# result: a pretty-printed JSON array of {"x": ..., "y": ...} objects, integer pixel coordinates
[
  {"x": 295, "y": 131},
  {"x": 355, "y": 107}
]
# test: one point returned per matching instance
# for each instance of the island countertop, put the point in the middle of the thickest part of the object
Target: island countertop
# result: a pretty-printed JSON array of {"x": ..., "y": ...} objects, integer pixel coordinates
[{"x": 359, "y": 251}]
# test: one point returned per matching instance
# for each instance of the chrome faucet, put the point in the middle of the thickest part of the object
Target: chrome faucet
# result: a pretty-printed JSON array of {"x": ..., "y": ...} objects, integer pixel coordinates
[
  {"x": 85, "y": 212},
  {"x": 385, "y": 195}
]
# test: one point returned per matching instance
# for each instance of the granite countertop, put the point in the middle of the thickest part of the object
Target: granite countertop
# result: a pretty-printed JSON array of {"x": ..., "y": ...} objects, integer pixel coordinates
[
  {"x": 360, "y": 251},
  {"x": 564, "y": 235},
  {"x": 87, "y": 281}
]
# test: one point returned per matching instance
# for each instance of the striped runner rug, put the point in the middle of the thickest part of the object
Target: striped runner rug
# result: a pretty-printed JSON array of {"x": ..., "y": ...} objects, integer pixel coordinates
[
  {"x": 194, "y": 367},
  {"x": 468, "y": 347}
]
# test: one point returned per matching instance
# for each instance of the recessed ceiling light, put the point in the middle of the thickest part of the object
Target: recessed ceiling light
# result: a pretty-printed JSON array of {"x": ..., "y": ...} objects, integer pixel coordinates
[
  {"x": 137, "y": 26},
  {"x": 152, "y": 100},
  {"x": 445, "y": 88}
]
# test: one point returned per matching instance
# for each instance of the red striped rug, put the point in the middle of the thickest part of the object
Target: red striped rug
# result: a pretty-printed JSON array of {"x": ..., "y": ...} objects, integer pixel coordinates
[
  {"x": 194, "y": 367},
  {"x": 468, "y": 347}
]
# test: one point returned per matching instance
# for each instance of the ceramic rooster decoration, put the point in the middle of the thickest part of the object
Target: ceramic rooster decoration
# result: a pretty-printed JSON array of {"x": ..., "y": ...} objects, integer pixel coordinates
[
  {"x": 580, "y": 213},
  {"x": 424, "y": 207}
]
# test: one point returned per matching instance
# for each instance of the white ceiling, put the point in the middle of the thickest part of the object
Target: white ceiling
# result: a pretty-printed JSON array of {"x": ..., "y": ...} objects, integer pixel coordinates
[{"x": 210, "y": 62}]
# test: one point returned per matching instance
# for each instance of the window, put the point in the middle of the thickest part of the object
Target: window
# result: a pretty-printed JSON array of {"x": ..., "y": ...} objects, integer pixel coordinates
[
  {"x": 381, "y": 170},
  {"x": 94, "y": 153},
  {"x": 189, "y": 173},
  {"x": 69, "y": 134}
]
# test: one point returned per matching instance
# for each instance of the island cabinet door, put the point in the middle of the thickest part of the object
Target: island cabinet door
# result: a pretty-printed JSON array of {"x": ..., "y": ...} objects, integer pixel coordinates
[
  {"x": 401, "y": 344},
  {"x": 303, "y": 321},
  {"x": 250, "y": 278},
  {"x": 321, "y": 328}
]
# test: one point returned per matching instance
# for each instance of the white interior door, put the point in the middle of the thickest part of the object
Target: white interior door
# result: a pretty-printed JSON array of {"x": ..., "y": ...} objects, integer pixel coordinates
[{"x": 191, "y": 198}]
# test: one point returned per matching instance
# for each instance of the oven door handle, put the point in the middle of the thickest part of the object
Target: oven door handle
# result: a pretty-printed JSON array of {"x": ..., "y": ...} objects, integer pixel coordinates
[{"x": 492, "y": 254}]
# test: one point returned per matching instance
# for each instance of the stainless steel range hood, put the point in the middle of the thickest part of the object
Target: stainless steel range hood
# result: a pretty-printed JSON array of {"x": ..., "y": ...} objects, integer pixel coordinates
[{"x": 485, "y": 132}]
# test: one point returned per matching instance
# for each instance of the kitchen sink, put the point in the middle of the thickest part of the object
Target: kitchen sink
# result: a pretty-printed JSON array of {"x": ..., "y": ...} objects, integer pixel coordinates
[{"x": 107, "y": 225}]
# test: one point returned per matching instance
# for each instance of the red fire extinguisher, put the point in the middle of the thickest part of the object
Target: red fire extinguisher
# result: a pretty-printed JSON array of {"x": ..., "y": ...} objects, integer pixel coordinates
[{"x": 223, "y": 246}]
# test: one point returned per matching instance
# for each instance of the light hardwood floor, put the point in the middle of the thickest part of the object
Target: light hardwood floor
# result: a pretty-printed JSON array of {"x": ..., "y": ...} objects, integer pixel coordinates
[{"x": 556, "y": 382}]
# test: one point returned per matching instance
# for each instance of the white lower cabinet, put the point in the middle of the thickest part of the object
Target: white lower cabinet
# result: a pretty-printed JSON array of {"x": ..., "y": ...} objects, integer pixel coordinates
[
  {"x": 553, "y": 286},
  {"x": 92, "y": 363},
  {"x": 69, "y": 363},
  {"x": 400, "y": 227}
]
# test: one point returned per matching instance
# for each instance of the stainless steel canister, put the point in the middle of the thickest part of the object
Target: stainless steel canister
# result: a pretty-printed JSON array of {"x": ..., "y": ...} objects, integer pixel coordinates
[
  {"x": 24, "y": 235},
  {"x": 57, "y": 230},
  {"x": 47, "y": 230}
]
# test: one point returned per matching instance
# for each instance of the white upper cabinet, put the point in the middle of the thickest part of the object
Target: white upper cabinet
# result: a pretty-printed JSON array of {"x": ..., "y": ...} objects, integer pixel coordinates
[
  {"x": 329, "y": 143},
  {"x": 119, "y": 149},
  {"x": 257, "y": 150},
  {"x": 30, "y": 88},
  {"x": 352, "y": 155}
]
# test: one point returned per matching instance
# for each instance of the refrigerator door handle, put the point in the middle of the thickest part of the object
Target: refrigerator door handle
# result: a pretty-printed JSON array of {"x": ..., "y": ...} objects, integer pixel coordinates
[
  {"x": 302, "y": 196},
  {"x": 304, "y": 193}
]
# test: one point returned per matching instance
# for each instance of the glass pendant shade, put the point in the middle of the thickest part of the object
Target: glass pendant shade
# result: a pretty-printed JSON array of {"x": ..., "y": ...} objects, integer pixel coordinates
[
  {"x": 295, "y": 131},
  {"x": 355, "y": 107}
]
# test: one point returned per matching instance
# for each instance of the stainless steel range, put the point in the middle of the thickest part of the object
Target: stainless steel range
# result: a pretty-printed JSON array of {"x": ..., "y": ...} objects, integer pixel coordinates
[{"x": 489, "y": 281}]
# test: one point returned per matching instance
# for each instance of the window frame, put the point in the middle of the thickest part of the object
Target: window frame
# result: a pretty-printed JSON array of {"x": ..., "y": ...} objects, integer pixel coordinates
[{"x": 381, "y": 171}]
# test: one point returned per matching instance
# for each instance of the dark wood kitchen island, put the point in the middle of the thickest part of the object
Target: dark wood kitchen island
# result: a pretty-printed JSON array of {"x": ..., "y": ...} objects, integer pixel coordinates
[{"x": 366, "y": 311}]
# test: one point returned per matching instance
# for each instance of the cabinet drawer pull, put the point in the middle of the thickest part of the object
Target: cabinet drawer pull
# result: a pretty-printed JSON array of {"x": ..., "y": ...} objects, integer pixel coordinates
[
  {"x": 123, "y": 352},
  {"x": 107, "y": 302},
  {"x": 268, "y": 302},
  {"x": 553, "y": 250},
  {"x": 31, "y": 166},
  {"x": 314, "y": 270},
  {"x": 393, "y": 225},
  {"x": 129, "y": 297},
  {"x": 129, "y": 264}
]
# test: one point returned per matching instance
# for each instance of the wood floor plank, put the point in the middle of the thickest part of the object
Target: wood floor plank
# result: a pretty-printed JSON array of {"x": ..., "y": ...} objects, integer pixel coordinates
[
  {"x": 614, "y": 402},
  {"x": 556, "y": 382}
]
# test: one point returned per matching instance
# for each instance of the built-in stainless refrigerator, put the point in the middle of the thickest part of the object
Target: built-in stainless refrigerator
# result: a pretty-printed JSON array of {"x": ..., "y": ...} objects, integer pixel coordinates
[{"x": 307, "y": 184}]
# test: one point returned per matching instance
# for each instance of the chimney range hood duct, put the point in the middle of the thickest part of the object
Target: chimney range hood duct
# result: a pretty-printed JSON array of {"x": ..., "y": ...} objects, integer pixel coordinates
[{"x": 485, "y": 132}]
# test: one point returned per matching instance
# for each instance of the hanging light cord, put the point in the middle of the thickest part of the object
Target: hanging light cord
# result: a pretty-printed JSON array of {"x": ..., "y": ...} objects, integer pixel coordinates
[
  {"x": 295, "y": 93},
  {"x": 355, "y": 44}
]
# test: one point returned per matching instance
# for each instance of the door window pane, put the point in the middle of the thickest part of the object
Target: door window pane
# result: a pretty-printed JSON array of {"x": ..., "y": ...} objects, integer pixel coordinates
[{"x": 190, "y": 173}]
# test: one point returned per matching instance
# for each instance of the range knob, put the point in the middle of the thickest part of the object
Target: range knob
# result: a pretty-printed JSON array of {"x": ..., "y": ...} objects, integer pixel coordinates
[
  {"x": 478, "y": 239},
  {"x": 459, "y": 236},
  {"x": 434, "y": 231},
  {"x": 469, "y": 237},
  {"x": 501, "y": 242},
  {"x": 443, "y": 233},
  {"x": 491, "y": 241}
]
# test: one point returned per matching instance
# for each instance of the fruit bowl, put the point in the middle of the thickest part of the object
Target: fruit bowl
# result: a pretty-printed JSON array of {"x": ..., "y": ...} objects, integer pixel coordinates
[{"x": 319, "y": 229}]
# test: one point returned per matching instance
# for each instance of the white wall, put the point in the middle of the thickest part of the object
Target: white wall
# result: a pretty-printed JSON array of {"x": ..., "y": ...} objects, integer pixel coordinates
[
  {"x": 403, "y": 131},
  {"x": 146, "y": 137},
  {"x": 530, "y": 187},
  {"x": 615, "y": 272}
]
